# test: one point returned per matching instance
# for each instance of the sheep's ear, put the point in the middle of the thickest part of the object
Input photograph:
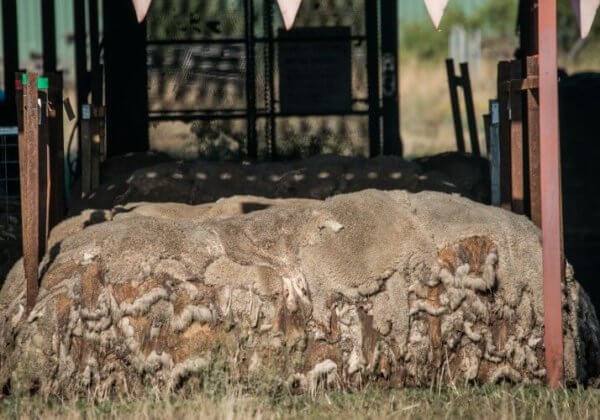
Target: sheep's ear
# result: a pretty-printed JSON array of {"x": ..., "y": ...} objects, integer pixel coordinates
[
  {"x": 436, "y": 9},
  {"x": 585, "y": 11},
  {"x": 141, "y": 8},
  {"x": 289, "y": 10}
]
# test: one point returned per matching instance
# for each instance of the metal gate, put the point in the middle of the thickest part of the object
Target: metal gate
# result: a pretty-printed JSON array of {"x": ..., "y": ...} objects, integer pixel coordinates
[{"x": 229, "y": 70}]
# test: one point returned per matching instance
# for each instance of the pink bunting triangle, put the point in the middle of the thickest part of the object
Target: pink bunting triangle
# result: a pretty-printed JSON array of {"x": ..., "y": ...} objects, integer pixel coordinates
[
  {"x": 436, "y": 9},
  {"x": 585, "y": 11},
  {"x": 289, "y": 10},
  {"x": 141, "y": 8}
]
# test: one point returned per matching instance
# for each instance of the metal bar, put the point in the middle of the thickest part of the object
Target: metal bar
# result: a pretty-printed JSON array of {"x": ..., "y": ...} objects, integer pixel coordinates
[
  {"x": 81, "y": 73},
  {"x": 56, "y": 150},
  {"x": 533, "y": 144},
  {"x": 269, "y": 78},
  {"x": 504, "y": 127},
  {"x": 96, "y": 69},
  {"x": 517, "y": 159},
  {"x": 29, "y": 153},
  {"x": 458, "y": 128},
  {"x": 11, "y": 59},
  {"x": 251, "y": 143},
  {"x": 486, "y": 130},
  {"x": 550, "y": 171},
  {"x": 96, "y": 145},
  {"x": 392, "y": 144},
  {"x": 470, "y": 108},
  {"x": 44, "y": 165},
  {"x": 49, "y": 35},
  {"x": 527, "y": 21},
  {"x": 85, "y": 126},
  {"x": 495, "y": 155},
  {"x": 208, "y": 117},
  {"x": 257, "y": 40},
  {"x": 371, "y": 25}
]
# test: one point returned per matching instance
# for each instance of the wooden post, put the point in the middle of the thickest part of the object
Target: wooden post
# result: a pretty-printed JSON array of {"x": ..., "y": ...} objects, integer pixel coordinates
[
  {"x": 516, "y": 142},
  {"x": 470, "y": 108},
  {"x": 29, "y": 156},
  {"x": 504, "y": 130},
  {"x": 551, "y": 195},
  {"x": 452, "y": 86}
]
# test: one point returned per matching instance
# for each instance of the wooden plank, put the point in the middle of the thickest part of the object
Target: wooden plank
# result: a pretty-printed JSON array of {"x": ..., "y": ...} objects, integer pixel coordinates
[
  {"x": 504, "y": 129},
  {"x": 470, "y": 108},
  {"x": 551, "y": 194},
  {"x": 452, "y": 86},
  {"x": 516, "y": 144},
  {"x": 29, "y": 151},
  {"x": 533, "y": 144}
]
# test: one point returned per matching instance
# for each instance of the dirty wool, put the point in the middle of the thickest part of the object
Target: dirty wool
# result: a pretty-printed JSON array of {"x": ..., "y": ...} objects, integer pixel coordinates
[{"x": 383, "y": 287}]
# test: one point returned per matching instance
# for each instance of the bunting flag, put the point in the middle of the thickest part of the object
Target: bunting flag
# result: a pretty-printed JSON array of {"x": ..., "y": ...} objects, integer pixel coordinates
[
  {"x": 436, "y": 9},
  {"x": 141, "y": 8},
  {"x": 289, "y": 10},
  {"x": 585, "y": 11}
]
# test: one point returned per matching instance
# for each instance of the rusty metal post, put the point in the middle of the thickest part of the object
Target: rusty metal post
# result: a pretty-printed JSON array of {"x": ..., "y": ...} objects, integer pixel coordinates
[
  {"x": 551, "y": 205},
  {"x": 29, "y": 156},
  {"x": 516, "y": 142},
  {"x": 504, "y": 127},
  {"x": 470, "y": 108}
]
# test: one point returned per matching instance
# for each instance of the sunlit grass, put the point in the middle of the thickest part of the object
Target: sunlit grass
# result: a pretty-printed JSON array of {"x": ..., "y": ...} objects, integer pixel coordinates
[{"x": 490, "y": 402}]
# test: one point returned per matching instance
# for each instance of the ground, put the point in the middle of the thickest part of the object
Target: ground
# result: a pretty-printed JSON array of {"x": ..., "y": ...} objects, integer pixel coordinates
[{"x": 506, "y": 402}]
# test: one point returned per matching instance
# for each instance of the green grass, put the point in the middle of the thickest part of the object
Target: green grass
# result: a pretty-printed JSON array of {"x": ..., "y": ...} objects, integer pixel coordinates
[{"x": 489, "y": 402}]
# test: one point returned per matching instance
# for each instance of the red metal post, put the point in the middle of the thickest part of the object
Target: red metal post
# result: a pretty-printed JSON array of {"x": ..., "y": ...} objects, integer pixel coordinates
[{"x": 550, "y": 174}]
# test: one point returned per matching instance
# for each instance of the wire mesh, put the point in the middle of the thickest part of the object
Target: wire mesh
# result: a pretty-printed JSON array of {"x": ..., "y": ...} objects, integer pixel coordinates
[
  {"x": 9, "y": 184},
  {"x": 10, "y": 209}
]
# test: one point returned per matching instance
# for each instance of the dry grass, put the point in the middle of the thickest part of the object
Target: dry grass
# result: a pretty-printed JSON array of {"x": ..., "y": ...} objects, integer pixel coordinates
[{"x": 465, "y": 403}]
